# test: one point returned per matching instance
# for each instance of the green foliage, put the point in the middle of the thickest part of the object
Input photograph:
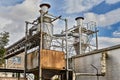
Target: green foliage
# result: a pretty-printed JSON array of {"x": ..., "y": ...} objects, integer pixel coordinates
[
  {"x": 2, "y": 51},
  {"x": 4, "y": 38}
]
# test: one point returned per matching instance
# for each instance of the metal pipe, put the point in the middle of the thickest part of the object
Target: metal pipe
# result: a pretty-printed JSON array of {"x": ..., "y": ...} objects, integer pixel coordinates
[
  {"x": 70, "y": 29},
  {"x": 96, "y": 70},
  {"x": 43, "y": 11},
  {"x": 96, "y": 38},
  {"x": 40, "y": 47},
  {"x": 86, "y": 74},
  {"x": 79, "y": 21},
  {"x": 62, "y": 42},
  {"x": 69, "y": 34},
  {"x": 25, "y": 58},
  {"x": 67, "y": 72},
  {"x": 55, "y": 16},
  {"x": 80, "y": 39}
]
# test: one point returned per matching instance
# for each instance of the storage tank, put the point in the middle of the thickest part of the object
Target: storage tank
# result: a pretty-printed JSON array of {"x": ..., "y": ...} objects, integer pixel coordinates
[
  {"x": 80, "y": 43},
  {"x": 45, "y": 26}
]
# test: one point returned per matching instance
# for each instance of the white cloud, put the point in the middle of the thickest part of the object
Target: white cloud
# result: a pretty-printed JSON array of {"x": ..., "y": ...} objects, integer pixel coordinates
[
  {"x": 12, "y": 18},
  {"x": 107, "y": 41},
  {"x": 116, "y": 33},
  {"x": 76, "y": 6},
  {"x": 107, "y": 19},
  {"x": 3, "y": 22},
  {"x": 112, "y": 1}
]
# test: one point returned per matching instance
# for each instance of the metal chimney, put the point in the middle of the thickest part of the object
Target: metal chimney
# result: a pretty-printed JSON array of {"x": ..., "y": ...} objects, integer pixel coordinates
[
  {"x": 44, "y": 7},
  {"x": 46, "y": 25},
  {"x": 79, "y": 21},
  {"x": 79, "y": 43}
]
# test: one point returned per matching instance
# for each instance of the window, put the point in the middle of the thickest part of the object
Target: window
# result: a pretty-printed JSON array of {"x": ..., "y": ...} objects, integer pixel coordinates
[{"x": 17, "y": 60}]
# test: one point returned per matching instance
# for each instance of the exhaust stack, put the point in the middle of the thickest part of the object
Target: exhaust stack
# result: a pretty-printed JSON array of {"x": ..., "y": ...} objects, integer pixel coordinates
[
  {"x": 44, "y": 7},
  {"x": 46, "y": 26},
  {"x": 80, "y": 42}
]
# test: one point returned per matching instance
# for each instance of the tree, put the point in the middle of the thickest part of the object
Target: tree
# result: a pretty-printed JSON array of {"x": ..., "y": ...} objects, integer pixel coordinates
[{"x": 4, "y": 39}]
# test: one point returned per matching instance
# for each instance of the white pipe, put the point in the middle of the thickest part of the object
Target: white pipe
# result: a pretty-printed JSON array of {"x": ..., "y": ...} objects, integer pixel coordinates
[
  {"x": 86, "y": 74},
  {"x": 79, "y": 25}
]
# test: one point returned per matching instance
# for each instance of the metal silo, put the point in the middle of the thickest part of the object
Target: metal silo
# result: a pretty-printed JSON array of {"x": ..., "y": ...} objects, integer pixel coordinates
[
  {"x": 45, "y": 26},
  {"x": 80, "y": 43}
]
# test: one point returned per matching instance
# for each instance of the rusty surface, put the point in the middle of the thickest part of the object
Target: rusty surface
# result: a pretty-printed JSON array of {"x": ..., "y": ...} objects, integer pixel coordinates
[{"x": 50, "y": 59}]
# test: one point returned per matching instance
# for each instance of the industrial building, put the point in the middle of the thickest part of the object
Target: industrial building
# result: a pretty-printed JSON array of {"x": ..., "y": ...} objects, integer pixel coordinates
[{"x": 69, "y": 55}]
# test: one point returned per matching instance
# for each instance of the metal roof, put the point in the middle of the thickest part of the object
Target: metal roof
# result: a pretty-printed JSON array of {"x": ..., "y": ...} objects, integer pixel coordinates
[{"x": 98, "y": 51}]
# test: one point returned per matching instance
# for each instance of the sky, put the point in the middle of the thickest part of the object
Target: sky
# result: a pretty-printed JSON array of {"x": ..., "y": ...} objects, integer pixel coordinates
[{"x": 106, "y": 14}]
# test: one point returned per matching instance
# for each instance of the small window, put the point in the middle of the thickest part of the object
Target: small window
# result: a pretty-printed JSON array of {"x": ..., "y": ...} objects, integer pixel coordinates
[{"x": 17, "y": 60}]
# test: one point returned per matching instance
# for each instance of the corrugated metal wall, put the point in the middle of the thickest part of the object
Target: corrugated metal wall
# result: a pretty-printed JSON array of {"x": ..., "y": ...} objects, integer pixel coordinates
[{"x": 83, "y": 65}]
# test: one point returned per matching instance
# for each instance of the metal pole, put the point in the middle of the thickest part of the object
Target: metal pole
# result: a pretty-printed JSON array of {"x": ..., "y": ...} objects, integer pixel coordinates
[
  {"x": 67, "y": 72},
  {"x": 62, "y": 42},
  {"x": 39, "y": 60},
  {"x": 40, "y": 47},
  {"x": 96, "y": 70},
  {"x": 80, "y": 36},
  {"x": 25, "y": 58},
  {"x": 96, "y": 38}
]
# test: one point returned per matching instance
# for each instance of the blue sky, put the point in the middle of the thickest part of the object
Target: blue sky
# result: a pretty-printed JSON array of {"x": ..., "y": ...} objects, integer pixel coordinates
[
  {"x": 10, "y": 2},
  {"x": 106, "y": 13}
]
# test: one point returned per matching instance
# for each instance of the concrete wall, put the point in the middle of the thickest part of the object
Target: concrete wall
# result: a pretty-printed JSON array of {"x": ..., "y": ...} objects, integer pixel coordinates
[{"x": 82, "y": 64}]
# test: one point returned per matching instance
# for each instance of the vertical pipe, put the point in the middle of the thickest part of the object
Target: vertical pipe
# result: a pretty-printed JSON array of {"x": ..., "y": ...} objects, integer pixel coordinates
[
  {"x": 62, "y": 45},
  {"x": 80, "y": 40},
  {"x": 44, "y": 9},
  {"x": 73, "y": 67},
  {"x": 25, "y": 58},
  {"x": 67, "y": 72},
  {"x": 40, "y": 47},
  {"x": 39, "y": 59},
  {"x": 96, "y": 38},
  {"x": 62, "y": 41},
  {"x": 80, "y": 24}
]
